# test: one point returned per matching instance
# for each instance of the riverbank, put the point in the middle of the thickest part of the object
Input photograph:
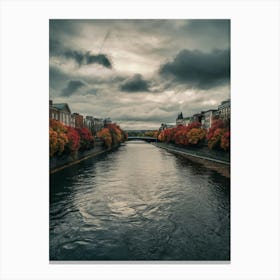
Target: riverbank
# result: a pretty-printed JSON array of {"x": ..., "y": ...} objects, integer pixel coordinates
[
  {"x": 214, "y": 160},
  {"x": 57, "y": 164}
]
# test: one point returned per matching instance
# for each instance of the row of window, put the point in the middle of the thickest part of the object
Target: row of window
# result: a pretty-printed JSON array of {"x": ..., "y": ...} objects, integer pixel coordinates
[{"x": 60, "y": 117}]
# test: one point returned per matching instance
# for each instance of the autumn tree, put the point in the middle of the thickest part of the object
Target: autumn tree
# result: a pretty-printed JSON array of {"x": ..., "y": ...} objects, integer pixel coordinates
[
  {"x": 86, "y": 139},
  {"x": 105, "y": 136},
  {"x": 219, "y": 135},
  {"x": 57, "y": 137}
]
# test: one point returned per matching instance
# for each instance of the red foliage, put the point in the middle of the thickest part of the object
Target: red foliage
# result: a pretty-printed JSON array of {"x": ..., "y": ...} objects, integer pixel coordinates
[
  {"x": 73, "y": 139},
  {"x": 219, "y": 135},
  {"x": 215, "y": 125},
  {"x": 225, "y": 141},
  {"x": 117, "y": 134},
  {"x": 57, "y": 137},
  {"x": 86, "y": 138},
  {"x": 181, "y": 135},
  {"x": 105, "y": 136}
]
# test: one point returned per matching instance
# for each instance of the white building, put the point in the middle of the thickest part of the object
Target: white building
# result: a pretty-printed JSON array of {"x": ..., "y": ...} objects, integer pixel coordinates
[
  {"x": 224, "y": 110},
  {"x": 208, "y": 117}
]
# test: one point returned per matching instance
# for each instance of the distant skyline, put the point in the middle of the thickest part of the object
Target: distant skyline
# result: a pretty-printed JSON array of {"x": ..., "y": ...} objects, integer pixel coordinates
[{"x": 140, "y": 72}]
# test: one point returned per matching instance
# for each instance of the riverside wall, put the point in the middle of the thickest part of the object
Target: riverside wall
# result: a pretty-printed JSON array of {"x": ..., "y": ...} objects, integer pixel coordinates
[
  {"x": 218, "y": 161},
  {"x": 58, "y": 163}
]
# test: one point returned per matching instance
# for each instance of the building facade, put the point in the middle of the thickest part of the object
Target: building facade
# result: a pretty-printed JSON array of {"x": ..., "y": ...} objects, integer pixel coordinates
[
  {"x": 197, "y": 117},
  {"x": 224, "y": 110},
  {"x": 78, "y": 120},
  {"x": 98, "y": 124},
  {"x": 208, "y": 117},
  {"x": 88, "y": 123},
  {"x": 166, "y": 126},
  {"x": 107, "y": 121},
  {"x": 187, "y": 120},
  {"x": 60, "y": 112}
]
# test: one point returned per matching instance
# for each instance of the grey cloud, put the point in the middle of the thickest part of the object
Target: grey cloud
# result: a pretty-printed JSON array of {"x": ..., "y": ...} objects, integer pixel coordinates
[
  {"x": 57, "y": 78},
  {"x": 220, "y": 27},
  {"x": 135, "y": 84},
  {"x": 170, "y": 108},
  {"x": 72, "y": 87},
  {"x": 198, "y": 69},
  {"x": 101, "y": 59},
  {"x": 65, "y": 26},
  {"x": 79, "y": 57},
  {"x": 86, "y": 58}
]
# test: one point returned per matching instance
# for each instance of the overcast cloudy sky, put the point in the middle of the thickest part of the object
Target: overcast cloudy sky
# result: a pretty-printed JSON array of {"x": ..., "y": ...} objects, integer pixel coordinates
[{"x": 140, "y": 73}]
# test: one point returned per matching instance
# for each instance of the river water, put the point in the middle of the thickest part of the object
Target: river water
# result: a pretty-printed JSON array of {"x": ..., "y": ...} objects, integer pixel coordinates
[{"x": 139, "y": 202}]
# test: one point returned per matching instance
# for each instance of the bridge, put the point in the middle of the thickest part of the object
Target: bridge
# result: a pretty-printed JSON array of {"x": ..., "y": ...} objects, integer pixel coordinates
[{"x": 144, "y": 138}]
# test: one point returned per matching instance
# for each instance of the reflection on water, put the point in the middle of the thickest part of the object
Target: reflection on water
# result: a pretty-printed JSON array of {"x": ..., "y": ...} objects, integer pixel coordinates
[{"x": 139, "y": 203}]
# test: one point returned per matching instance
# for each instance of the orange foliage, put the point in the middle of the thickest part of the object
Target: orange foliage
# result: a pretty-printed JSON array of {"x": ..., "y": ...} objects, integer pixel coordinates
[
  {"x": 64, "y": 139},
  {"x": 58, "y": 138},
  {"x": 215, "y": 141},
  {"x": 117, "y": 134},
  {"x": 219, "y": 135},
  {"x": 225, "y": 141},
  {"x": 183, "y": 135},
  {"x": 196, "y": 135},
  {"x": 105, "y": 136},
  {"x": 53, "y": 142}
]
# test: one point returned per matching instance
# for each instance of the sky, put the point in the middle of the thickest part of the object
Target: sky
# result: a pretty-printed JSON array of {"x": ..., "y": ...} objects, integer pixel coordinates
[{"x": 140, "y": 73}]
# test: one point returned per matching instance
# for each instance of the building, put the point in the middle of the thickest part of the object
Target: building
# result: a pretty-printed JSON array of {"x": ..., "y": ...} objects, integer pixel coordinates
[
  {"x": 98, "y": 124},
  {"x": 224, "y": 110},
  {"x": 197, "y": 117},
  {"x": 180, "y": 119},
  {"x": 78, "y": 120},
  {"x": 107, "y": 121},
  {"x": 208, "y": 117},
  {"x": 93, "y": 124},
  {"x": 60, "y": 112},
  {"x": 89, "y": 123},
  {"x": 166, "y": 126},
  {"x": 187, "y": 120}
]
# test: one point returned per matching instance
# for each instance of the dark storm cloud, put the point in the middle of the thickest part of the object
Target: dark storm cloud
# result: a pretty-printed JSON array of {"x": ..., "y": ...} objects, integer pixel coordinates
[
  {"x": 86, "y": 58},
  {"x": 135, "y": 84},
  {"x": 101, "y": 59},
  {"x": 80, "y": 57},
  {"x": 57, "y": 77},
  {"x": 72, "y": 87},
  {"x": 64, "y": 26},
  {"x": 198, "y": 69},
  {"x": 219, "y": 27},
  {"x": 77, "y": 56}
]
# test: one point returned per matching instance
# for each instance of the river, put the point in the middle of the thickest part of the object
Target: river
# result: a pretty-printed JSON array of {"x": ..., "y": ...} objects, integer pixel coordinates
[{"x": 139, "y": 202}]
